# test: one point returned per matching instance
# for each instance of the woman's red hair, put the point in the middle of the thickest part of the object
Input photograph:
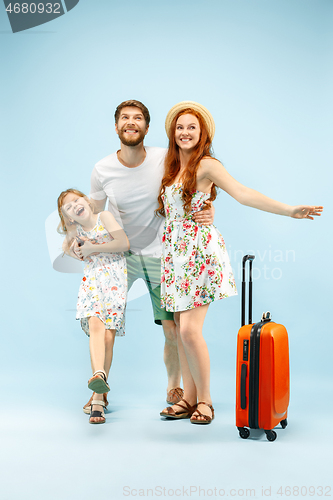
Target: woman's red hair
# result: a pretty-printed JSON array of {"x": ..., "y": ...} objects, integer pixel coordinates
[{"x": 172, "y": 164}]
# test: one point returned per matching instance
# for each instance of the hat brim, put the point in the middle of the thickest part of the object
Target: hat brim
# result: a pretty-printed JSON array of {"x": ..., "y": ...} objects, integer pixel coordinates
[{"x": 206, "y": 116}]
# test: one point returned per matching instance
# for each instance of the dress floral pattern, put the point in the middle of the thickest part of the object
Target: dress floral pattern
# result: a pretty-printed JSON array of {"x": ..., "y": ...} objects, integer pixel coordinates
[
  {"x": 103, "y": 289},
  {"x": 195, "y": 264}
]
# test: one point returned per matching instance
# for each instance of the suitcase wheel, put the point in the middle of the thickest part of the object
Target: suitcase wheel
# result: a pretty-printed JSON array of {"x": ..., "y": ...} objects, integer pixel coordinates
[
  {"x": 271, "y": 435},
  {"x": 244, "y": 432},
  {"x": 284, "y": 423}
]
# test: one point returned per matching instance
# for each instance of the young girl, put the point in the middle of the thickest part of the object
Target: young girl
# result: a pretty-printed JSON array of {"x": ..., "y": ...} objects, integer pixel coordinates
[
  {"x": 195, "y": 265},
  {"x": 99, "y": 241}
]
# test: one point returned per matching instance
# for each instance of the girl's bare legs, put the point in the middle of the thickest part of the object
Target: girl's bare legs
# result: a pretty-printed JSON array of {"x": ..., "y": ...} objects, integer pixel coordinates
[
  {"x": 101, "y": 351},
  {"x": 109, "y": 343},
  {"x": 96, "y": 343},
  {"x": 194, "y": 358}
]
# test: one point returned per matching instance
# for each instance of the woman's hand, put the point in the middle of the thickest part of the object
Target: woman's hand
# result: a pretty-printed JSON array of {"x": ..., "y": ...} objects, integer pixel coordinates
[
  {"x": 205, "y": 217},
  {"x": 305, "y": 212}
]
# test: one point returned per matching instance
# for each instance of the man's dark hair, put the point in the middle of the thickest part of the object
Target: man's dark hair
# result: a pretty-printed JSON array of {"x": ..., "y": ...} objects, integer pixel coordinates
[{"x": 136, "y": 104}]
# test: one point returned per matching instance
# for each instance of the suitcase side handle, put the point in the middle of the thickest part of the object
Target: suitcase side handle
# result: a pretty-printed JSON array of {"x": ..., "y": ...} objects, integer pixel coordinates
[
  {"x": 243, "y": 387},
  {"x": 246, "y": 258}
]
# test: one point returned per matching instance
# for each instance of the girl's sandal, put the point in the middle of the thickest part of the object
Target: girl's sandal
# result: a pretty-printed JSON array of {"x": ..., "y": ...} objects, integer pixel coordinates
[
  {"x": 98, "y": 383},
  {"x": 171, "y": 413},
  {"x": 97, "y": 413},
  {"x": 207, "y": 418},
  {"x": 87, "y": 406}
]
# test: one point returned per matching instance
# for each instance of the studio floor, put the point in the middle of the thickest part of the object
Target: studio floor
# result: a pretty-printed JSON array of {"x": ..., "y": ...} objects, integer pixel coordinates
[{"x": 49, "y": 450}]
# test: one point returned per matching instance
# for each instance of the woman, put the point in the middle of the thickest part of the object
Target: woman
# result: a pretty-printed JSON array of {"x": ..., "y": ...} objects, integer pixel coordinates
[{"x": 195, "y": 265}]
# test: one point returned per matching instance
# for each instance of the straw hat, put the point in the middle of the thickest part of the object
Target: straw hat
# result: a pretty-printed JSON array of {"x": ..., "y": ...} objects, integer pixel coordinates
[{"x": 206, "y": 116}]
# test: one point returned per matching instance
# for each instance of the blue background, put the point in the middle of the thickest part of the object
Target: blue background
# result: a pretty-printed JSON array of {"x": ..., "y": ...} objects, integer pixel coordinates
[{"x": 264, "y": 70}]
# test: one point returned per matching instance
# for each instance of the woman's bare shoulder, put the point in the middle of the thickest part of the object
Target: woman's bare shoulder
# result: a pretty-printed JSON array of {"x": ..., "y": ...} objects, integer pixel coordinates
[{"x": 208, "y": 161}]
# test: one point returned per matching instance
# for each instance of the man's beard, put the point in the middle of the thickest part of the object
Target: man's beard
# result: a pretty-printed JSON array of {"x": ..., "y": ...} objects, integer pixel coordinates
[{"x": 131, "y": 141}]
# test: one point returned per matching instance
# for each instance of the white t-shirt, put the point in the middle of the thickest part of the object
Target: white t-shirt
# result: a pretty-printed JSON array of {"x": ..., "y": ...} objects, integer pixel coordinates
[{"x": 132, "y": 194}]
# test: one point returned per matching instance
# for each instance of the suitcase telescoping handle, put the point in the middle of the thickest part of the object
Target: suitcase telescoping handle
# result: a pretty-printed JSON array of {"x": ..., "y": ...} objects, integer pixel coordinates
[{"x": 246, "y": 258}]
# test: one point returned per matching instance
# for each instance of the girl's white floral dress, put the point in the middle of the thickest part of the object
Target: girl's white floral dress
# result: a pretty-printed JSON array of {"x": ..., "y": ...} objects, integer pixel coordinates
[
  {"x": 103, "y": 289},
  {"x": 195, "y": 265}
]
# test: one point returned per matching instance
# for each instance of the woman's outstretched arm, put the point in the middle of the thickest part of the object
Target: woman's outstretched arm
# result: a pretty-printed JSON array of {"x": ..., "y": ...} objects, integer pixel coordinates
[{"x": 214, "y": 171}]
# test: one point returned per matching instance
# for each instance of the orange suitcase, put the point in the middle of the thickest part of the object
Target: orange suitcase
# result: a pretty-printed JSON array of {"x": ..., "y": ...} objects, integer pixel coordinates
[{"x": 262, "y": 376}]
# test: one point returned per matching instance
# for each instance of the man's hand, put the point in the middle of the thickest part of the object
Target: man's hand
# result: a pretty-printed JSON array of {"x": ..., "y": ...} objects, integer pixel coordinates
[{"x": 205, "y": 217}]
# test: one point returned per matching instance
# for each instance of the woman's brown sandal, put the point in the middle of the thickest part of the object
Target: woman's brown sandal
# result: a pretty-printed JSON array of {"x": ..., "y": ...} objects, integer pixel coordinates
[
  {"x": 171, "y": 413},
  {"x": 207, "y": 418},
  {"x": 98, "y": 382}
]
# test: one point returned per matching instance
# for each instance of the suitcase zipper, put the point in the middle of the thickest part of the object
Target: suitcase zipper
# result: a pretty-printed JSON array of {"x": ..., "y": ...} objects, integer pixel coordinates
[{"x": 254, "y": 375}]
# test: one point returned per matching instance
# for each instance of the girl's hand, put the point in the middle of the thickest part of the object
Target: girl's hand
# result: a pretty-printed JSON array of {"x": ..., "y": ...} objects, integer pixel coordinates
[
  {"x": 305, "y": 212},
  {"x": 87, "y": 249},
  {"x": 77, "y": 247},
  {"x": 74, "y": 249}
]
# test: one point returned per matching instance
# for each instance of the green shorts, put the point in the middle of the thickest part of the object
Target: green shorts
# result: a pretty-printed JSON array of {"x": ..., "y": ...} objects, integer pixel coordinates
[{"x": 149, "y": 269}]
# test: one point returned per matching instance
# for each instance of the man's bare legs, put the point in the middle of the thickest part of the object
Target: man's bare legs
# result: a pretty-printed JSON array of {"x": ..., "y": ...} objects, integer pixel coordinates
[
  {"x": 171, "y": 357},
  {"x": 194, "y": 358},
  {"x": 101, "y": 352}
]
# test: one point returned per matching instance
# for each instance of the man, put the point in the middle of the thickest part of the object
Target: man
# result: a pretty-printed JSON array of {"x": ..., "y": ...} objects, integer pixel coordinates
[{"x": 130, "y": 180}]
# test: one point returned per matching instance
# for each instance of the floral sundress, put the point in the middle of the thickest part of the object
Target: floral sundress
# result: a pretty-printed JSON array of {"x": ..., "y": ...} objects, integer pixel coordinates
[
  {"x": 103, "y": 289},
  {"x": 195, "y": 265}
]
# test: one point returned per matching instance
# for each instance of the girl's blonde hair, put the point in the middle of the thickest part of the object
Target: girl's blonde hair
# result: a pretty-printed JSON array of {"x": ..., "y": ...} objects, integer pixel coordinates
[{"x": 65, "y": 223}]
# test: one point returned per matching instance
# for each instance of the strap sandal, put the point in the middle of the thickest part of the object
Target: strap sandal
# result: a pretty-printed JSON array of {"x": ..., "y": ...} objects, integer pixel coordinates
[
  {"x": 97, "y": 413},
  {"x": 207, "y": 418},
  {"x": 98, "y": 383},
  {"x": 87, "y": 406},
  {"x": 174, "y": 395},
  {"x": 171, "y": 413}
]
